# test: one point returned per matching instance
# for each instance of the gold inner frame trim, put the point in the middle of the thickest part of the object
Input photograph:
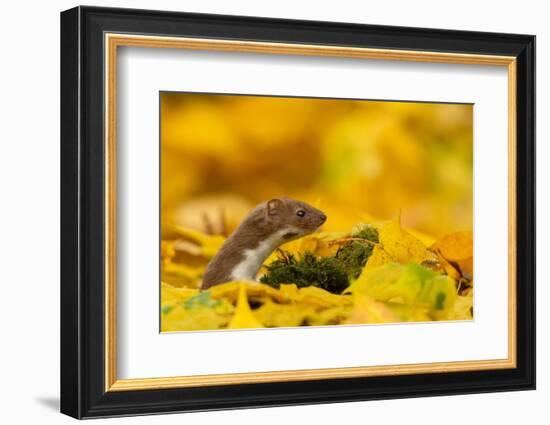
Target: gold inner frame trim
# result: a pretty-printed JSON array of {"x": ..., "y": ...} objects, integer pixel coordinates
[{"x": 113, "y": 41}]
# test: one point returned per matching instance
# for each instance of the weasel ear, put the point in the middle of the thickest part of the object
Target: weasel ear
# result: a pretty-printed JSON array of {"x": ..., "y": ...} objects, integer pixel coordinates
[{"x": 274, "y": 206}]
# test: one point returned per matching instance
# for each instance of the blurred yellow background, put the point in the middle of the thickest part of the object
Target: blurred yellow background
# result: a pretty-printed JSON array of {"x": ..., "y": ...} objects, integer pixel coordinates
[{"x": 356, "y": 160}]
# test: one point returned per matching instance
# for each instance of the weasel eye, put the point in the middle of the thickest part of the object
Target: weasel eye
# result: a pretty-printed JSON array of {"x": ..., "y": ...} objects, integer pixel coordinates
[{"x": 300, "y": 213}]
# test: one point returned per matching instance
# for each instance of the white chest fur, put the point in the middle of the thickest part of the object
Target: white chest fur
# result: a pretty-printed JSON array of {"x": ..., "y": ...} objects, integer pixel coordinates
[{"x": 254, "y": 258}]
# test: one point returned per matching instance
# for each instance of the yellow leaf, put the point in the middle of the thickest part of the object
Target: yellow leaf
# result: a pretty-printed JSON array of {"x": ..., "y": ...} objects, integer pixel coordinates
[
  {"x": 449, "y": 269},
  {"x": 457, "y": 248},
  {"x": 321, "y": 298},
  {"x": 379, "y": 257},
  {"x": 231, "y": 291},
  {"x": 401, "y": 245},
  {"x": 367, "y": 310},
  {"x": 462, "y": 309},
  {"x": 283, "y": 315},
  {"x": 171, "y": 295},
  {"x": 330, "y": 316},
  {"x": 209, "y": 244},
  {"x": 167, "y": 251},
  {"x": 179, "y": 319},
  {"x": 243, "y": 318},
  {"x": 410, "y": 313},
  {"x": 317, "y": 243},
  {"x": 183, "y": 310},
  {"x": 181, "y": 275}
]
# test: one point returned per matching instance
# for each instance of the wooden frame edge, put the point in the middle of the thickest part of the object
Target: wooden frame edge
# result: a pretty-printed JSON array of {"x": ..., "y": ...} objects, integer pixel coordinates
[
  {"x": 512, "y": 212},
  {"x": 114, "y": 40},
  {"x": 306, "y": 375}
]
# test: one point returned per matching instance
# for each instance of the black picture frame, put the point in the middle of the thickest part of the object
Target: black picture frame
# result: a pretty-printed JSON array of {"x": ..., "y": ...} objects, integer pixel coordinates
[{"x": 83, "y": 392}]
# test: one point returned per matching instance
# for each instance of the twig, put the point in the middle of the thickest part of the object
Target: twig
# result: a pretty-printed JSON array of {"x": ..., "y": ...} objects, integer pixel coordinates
[{"x": 344, "y": 240}]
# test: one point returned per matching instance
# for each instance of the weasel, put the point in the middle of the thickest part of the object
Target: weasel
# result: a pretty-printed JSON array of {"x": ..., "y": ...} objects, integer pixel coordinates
[{"x": 266, "y": 227}]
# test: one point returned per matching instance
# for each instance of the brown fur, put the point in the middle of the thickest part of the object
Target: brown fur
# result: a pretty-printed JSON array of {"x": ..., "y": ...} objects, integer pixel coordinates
[{"x": 265, "y": 220}]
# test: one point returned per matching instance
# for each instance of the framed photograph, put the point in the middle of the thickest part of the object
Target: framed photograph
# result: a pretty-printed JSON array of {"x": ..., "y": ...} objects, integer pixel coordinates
[{"x": 261, "y": 212}]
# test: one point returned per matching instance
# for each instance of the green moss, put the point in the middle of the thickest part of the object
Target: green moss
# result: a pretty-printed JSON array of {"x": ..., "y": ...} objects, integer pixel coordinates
[
  {"x": 365, "y": 231},
  {"x": 331, "y": 273},
  {"x": 355, "y": 253},
  {"x": 328, "y": 273}
]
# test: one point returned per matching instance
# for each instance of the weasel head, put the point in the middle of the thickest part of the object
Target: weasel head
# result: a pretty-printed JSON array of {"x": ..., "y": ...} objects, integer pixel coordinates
[{"x": 293, "y": 218}]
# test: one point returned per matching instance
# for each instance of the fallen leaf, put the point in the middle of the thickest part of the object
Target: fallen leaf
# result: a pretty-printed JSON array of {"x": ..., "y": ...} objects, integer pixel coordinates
[
  {"x": 231, "y": 291},
  {"x": 410, "y": 313},
  {"x": 243, "y": 318},
  {"x": 179, "y": 319},
  {"x": 190, "y": 310},
  {"x": 379, "y": 257},
  {"x": 206, "y": 245},
  {"x": 330, "y": 316},
  {"x": 271, "y": 314},
  {"x": 462, "y": 309},
  {"x": 367, "y": 310},
  {"x": 409, "y": 284},
  {"x": 457, "y": 248},
  {"x": 401, "y": 245},
  {"x": 173, "y": 295},
  {"x": 181, "y": 275}
]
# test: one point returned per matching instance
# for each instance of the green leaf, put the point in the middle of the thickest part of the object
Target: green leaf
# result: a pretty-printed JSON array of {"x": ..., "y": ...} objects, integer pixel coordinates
[{"x": 410, "y": 284}]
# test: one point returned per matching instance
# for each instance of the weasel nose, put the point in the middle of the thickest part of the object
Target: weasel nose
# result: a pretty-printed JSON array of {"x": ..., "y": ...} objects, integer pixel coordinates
[{"x": 323, "y": 218}]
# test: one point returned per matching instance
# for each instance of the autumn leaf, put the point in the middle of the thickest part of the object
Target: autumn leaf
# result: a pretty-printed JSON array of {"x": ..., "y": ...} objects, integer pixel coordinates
[
  {"x": 171, "y": 295},
  {"x": 401, "y": 246},
  {"x": 463, "y": 308},
  {"x": 183, "y": 310},
  {"x": 283, "y": 315},
  {"x": 409, "y": 284},
  {"x": 330, "y": 316},
  {"x": 410, "y": 313},
  {"x": 367, "y": 310},
  {"x": 243, "y": 318},
  {"x": 318, "y": 243},
  {"x": 458, "y": 249},
  {"x": 206, "y": 245},
  {"x": 232, "y": 290},
  {"x": 319, "y": 297},
  {"x": 167, "y": 251},
  {"x": 181, "y": 275},
  {"x": 385, "y": 291},
  {"x": 379, "y": 257}
]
